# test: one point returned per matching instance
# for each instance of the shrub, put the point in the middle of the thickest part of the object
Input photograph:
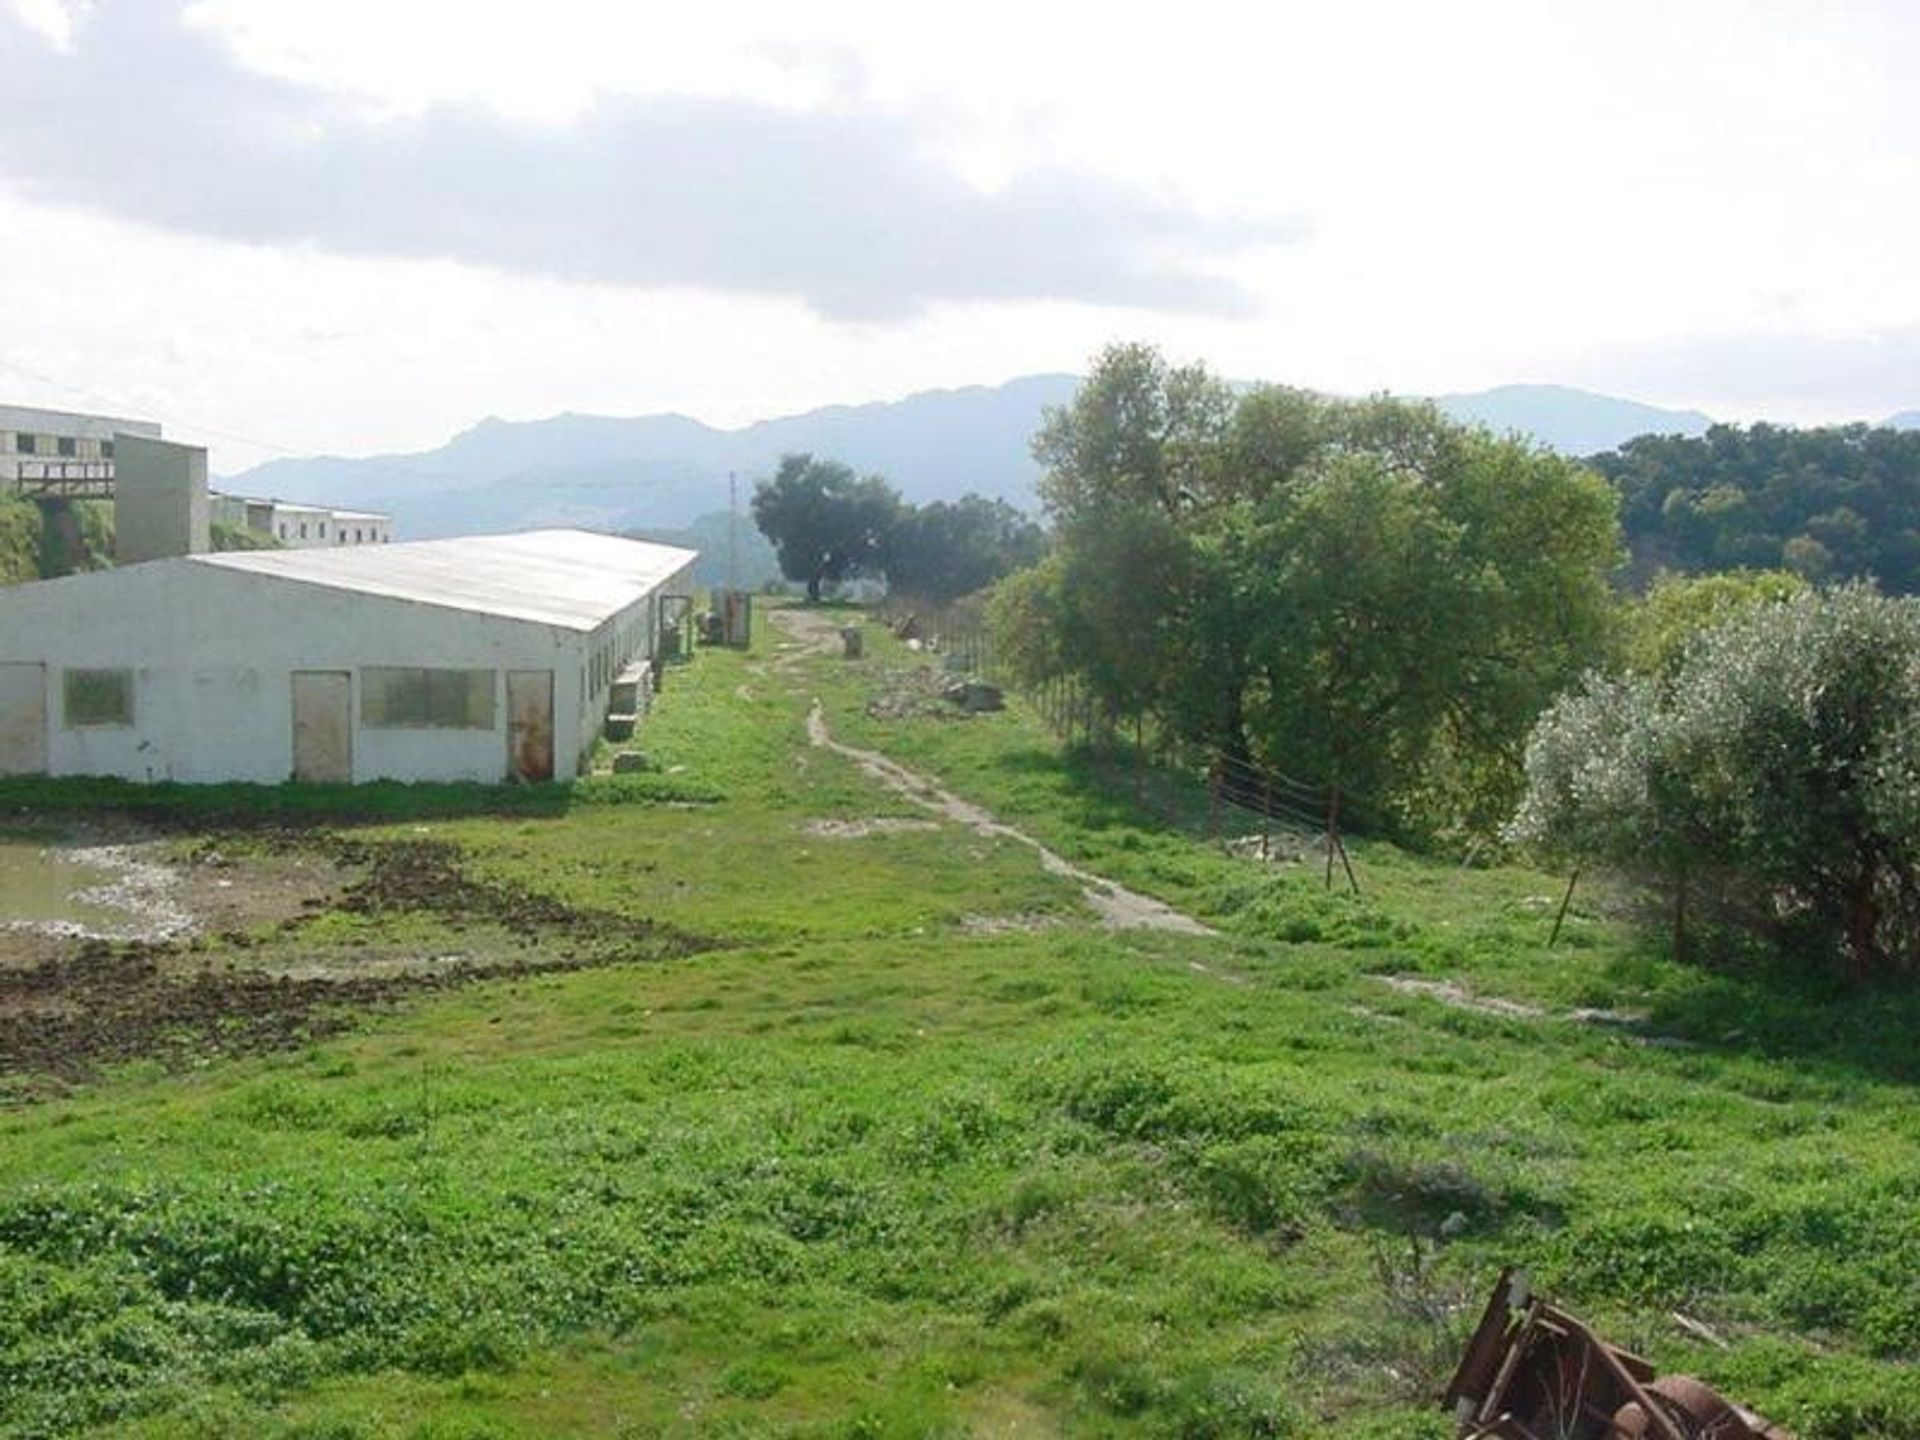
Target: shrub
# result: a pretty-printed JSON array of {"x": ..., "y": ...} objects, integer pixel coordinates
[{"x": 1778, "y": 773}]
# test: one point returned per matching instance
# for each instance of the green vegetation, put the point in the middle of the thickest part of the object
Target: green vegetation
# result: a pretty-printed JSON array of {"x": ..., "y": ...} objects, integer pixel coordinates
[
  {"x": 1658, "y": 627},
  {"x": 41, "y": 544},
  {"x": 222, "y": 536},
  {"x": 828, "y": 525},
  {"x": 939, "y": 552},
  {"x": 1773, "y": 777},
  {"x": 825, "y": 522},
  {"x": 923, "y": 1151},
  {"x": 1363, "y": 595},
  {"x": 1832, "y": 503}
]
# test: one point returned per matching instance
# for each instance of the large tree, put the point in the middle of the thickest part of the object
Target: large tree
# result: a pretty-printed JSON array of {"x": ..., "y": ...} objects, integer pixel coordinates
[
  {"x": 1362, "y": 594},
  {"x": 941, "y": 551},
  {"x": 825, "y": 522}
]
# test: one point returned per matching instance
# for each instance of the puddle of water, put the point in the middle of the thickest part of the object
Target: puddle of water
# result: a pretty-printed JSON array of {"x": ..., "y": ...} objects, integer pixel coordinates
[
  {"x": 42, "y": 886},
  {"x": 74, "y": 890}
]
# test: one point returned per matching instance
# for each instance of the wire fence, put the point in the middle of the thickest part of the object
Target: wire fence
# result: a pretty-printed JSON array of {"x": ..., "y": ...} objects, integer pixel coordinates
[{"x": 1249, "y": 809}]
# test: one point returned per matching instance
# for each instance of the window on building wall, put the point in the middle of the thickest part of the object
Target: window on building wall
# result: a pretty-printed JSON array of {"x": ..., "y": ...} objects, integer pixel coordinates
[
  {"x": 97, "y": 697},
  {"x": 26, "y": 444},
  {"x": 395, "y": 697},
  {"x": 66, "y": 445},
  {"x": 106, "y": 449},
  {"x": 303, "y": 529}
]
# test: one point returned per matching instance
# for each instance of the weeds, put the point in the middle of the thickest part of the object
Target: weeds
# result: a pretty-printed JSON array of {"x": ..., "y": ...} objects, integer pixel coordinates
[{"x": 867, "y": 1170}]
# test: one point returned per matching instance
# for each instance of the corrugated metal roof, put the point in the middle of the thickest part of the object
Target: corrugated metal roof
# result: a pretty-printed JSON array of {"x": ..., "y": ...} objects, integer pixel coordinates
[{"x": 570, "y": 578}]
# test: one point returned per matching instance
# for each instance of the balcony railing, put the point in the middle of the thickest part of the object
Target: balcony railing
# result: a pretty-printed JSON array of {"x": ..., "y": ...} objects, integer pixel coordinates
[{"x": 86, "y": 478}]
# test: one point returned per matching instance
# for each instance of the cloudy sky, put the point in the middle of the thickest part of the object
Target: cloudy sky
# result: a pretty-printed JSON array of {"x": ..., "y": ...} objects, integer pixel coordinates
[{"x": 361, "y": 225}]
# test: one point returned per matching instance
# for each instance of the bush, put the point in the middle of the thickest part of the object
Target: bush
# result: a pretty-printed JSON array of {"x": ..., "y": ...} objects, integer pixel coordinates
[{"x": 1778, "y": 772}]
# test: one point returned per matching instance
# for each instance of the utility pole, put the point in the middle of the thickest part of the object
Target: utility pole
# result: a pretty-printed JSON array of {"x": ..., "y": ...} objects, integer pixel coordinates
[{"x": 733, "y": 527}]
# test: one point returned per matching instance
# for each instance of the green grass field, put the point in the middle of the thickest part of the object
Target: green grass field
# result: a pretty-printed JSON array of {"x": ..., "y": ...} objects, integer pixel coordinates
[{"x": 917, "y": 1149}]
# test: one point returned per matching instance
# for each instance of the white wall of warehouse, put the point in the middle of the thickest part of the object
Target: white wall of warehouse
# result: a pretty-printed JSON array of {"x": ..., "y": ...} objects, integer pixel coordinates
[{"x": 213, "y": 651}]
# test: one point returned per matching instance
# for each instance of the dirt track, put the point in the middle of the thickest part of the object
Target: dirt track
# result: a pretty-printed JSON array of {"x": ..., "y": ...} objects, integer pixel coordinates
[{"x": 1118, "y": 907}]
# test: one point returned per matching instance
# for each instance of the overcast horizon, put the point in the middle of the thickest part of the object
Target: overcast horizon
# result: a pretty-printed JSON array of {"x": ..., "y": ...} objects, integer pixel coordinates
[{"x": 278, "y": 227}]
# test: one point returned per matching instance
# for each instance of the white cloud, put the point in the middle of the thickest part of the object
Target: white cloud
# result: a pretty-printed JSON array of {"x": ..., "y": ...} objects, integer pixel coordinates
[{"x": 1596, "y": 193}]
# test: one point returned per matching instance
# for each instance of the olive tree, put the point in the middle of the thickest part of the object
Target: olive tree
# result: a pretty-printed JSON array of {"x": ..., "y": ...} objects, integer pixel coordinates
[{"x": 1781, "y": 764}]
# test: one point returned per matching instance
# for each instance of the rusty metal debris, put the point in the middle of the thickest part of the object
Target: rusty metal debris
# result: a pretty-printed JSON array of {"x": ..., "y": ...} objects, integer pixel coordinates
[{"x": 1532, "y": 1371}]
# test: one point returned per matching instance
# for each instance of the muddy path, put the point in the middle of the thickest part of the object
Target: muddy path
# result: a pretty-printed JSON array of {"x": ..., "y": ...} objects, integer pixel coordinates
[
  {"x": 1118, "y": 907},
  {"x": 184, "y": 1002}
]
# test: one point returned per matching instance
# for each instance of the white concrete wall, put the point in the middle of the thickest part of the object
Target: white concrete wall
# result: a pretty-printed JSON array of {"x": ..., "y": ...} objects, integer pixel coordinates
[
  {"x": 160, "y": 505},
  {"x": 213, "y": 650}
]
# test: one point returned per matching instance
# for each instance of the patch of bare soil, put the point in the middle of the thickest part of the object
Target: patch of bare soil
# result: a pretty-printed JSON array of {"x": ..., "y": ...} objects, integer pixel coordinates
[
  {"x": 1458, "y": 997},
  {"x": 862, "y": 829},
  {"x": 1021, "y": 924},
  {"x": 103, "y": 1002},
  {"x": 915, "y": 694},
  {"x": 226, "y": 890},
  {"x": 135, "y": 884}
]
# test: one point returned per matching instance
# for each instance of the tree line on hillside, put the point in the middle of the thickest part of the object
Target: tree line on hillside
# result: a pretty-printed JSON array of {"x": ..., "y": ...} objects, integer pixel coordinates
[
  {"x": 1830, "y": 504},
  {"x": 828, "y": 524}
]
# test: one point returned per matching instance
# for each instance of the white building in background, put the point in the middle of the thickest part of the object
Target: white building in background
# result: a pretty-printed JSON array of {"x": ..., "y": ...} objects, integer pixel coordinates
[
  {"x": 58, "y": 447},
  {"x": 484, "y": 658},
  {"x": 302, "y": 527}
]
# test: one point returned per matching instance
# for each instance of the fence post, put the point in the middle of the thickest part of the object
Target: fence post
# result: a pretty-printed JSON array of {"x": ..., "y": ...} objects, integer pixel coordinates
[
  {"x": 1213, "y": 800},
  {"x": 1333, "y": 830}
]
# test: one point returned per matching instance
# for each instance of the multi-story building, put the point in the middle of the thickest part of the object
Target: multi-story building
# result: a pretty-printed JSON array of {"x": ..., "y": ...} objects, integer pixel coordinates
[{"x": 54, "y": 452}]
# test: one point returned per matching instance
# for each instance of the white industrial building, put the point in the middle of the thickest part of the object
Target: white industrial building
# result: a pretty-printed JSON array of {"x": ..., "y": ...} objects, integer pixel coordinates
[
  {"x": 57, "y": 447},
  {"x": 484, "y": 658},
  {"x": 302, "y": 527}
]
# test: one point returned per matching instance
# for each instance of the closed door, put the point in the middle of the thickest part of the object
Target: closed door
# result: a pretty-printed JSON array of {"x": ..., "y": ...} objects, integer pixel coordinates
[
  {"x": 23, "y": 719},
  {"x": 322, "y": 727},
  {"x": 530, "y": 724}
]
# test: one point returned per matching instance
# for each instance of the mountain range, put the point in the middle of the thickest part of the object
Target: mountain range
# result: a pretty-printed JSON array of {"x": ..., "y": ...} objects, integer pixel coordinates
[{"x": 665, "y": 472}]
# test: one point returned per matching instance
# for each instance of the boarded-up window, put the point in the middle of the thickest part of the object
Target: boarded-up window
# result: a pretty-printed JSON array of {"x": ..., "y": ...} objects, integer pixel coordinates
[
  {"x": 98, "y": 697},
  {"x": 396, "y": 697}
]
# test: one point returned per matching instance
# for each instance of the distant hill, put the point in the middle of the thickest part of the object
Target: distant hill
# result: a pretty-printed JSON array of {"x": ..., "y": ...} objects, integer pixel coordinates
[
  {"x": 1905, "y": 420},
  {"x": 665, "y": 472},
  {"x": 1574, "y": 422}
]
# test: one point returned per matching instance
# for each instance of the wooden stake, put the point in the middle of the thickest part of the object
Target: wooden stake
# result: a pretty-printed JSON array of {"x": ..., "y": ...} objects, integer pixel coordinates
[{"x": 1565, "y": 901}]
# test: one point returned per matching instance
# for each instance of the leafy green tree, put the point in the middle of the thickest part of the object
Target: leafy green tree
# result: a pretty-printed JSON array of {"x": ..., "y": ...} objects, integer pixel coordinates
[
  {"x": 1779, "y": 773},
  {"x": 826, "y": 524},
  {"x": 1363, "y": 594},
  {"x": 1831, "y": 503},
  {"x": 941, "y": 551},
  {"x": 1139, "y": 434},
  {"x": 1657, "y": 628},
  {"x": 1128, "y": 463}
]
